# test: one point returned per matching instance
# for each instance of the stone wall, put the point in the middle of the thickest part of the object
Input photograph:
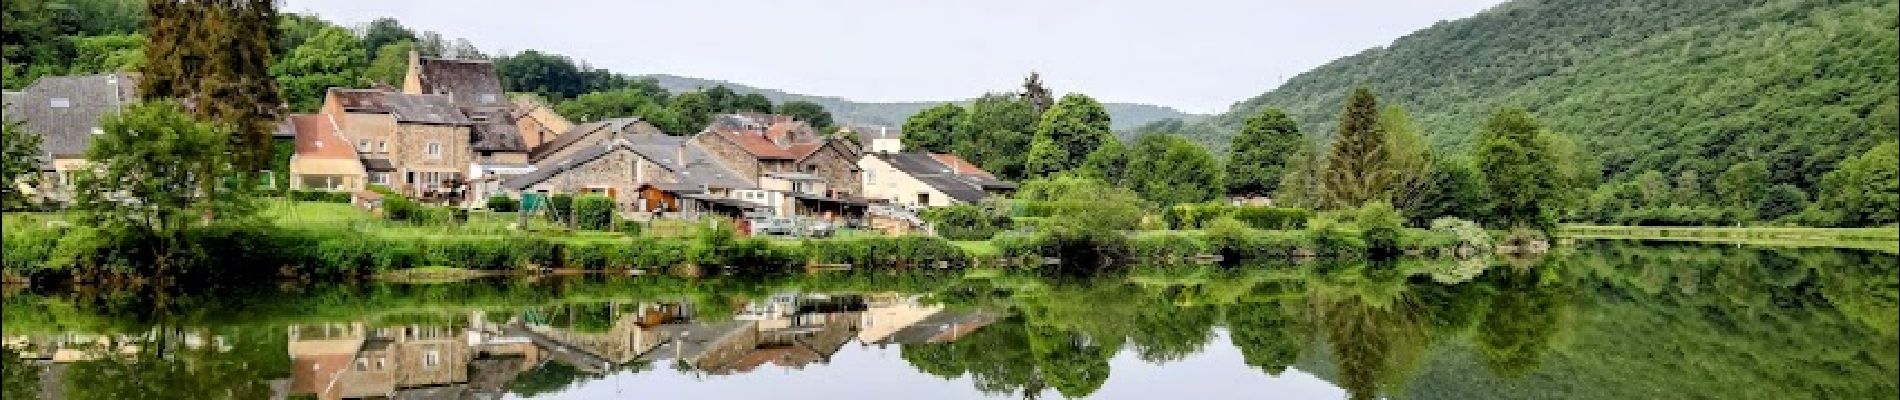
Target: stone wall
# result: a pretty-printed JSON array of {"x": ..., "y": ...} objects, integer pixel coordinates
[
  {"x": 615, "y": 170},
  {"x": 742, "y": 162},
  {"x": 412, "y": 153},
  {"x": 837, "y": 166}
]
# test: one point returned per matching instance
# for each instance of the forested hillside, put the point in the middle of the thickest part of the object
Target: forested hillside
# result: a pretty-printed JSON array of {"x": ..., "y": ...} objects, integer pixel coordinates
[
  {"x": 1664, "y": 86},
  {"x": 1126, "y": 115}
]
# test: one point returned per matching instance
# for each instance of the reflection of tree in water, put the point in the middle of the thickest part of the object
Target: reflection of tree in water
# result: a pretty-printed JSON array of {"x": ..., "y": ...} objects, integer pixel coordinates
[
  {"x": 1376, "y": 337},
  {"x": 1266, "y": 334},
  {"x": 1069, "y": 361},
  {"x": 19, "y": 379},
  {"x": 1167, "y": 330},
  {"x": 997, "y": 358},
  {"x": 166, "y": 365},
  {"x": 549, "y": 377},
  {"x": 1526, "y": 312}
]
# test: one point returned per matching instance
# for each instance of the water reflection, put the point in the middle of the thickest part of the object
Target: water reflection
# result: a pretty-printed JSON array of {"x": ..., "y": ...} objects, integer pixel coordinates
[{"x": 1607, "y": 321}]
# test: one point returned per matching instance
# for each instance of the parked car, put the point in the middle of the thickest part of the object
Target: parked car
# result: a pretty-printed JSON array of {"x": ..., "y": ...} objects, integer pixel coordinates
[{"x": 765, "y": 224}]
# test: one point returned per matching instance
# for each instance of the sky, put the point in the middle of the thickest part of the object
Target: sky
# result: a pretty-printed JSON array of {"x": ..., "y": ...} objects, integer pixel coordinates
[{"x": 1194, "y": 55}]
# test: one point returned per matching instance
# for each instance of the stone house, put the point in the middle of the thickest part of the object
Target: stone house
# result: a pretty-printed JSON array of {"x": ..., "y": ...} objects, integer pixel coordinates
[
  {"x": 759, "y": 144},
  {"x": 418, "y": 145},
  {"x": 878, "y": 139},
  {"x": 538, "y": 122},
  {"x": 615, "y": 159},
  {"x": 65, "y": 112},
  {"x": 498, "y": 148}
]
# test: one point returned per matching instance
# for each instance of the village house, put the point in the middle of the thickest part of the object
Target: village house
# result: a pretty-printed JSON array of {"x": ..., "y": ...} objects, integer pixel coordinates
[
  {"x": 499, "y": 150},
  {"x": 537, "y": 122},
  {"x": 643, "y": 171},
  {"x": 65, "y": 112},
  {"x": 418, "y": 145},
  {"x": 923, "y": 180},
  {"x": 878, "y": 139},
  {"x": 758, "y": 144},
  {"x": 323, "y": 158}
]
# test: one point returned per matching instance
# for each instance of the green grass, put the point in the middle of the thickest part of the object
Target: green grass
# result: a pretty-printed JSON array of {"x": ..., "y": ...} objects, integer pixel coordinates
[
  {"x": 981, "y": 249},
  {"x": 1885, "y": 239}
]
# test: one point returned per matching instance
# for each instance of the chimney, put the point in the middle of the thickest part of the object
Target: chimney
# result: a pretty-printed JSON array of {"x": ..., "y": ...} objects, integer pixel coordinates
[{"x": 679, "y": 154}]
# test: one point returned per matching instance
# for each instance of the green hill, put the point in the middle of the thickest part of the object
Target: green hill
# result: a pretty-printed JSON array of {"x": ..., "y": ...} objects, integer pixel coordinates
[
  {"x": 1644, "y": 85},
  {"x": 1126, "y": 115}
]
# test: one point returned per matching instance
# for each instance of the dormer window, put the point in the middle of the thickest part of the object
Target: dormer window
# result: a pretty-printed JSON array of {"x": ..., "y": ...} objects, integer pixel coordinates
[{"x": 59, "y": 102}]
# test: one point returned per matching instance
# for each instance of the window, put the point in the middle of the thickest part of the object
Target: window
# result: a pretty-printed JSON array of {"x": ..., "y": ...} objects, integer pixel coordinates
[
  {"x": 431, "y": 359},
  {"x": 362, "y": 364},
  {"x": 362, "y": 145},
  {"x": 382, "y": 146},
  {"x": 923, "y": 199},
  {"x": 870, "y": 177},
  {"x": 433, "y": 150},
  {"x": 380, "y": 178},
  {"x": 60, "y": 102}
]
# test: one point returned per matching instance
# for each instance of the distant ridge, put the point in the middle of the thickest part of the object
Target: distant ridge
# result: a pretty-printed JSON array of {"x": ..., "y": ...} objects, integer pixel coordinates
[{"x": 1126, "y": 115}]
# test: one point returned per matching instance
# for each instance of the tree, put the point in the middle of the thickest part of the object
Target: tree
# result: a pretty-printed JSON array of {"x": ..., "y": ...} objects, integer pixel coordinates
[
  {"x": 1864, "y": 191},
  {"x": 1652, "y": 189},
  {"x": 385, "y": 31},
  {"x": 19, "y": 164},
  {"x": 810, "y": 112},
  {"x": 158, "y": 173},
  {"x": 932, "y": 129},
  {"x": 993, "y": 132},
  {"x": 1688, "y": 188},
  {"x": 293, "y": 29},
  {"x": 1358, "y": 169},
  {"x": 694, "y": 111},
  {"x": 1037, "y": 96},
  {"x": 332, "y": 58},
  {"x": 1067, "y": 134},
  {"x": 1300, "y": 180},
  {"x": 1168, "y": 169},
  {"x": 1518, "y": 171},
  {"x": 754, "y": 102},
  {"x": 390, "y": 64},
  {"x": 1108, "y": 163},
  {"x": 1743, "y": 186},
  {"x": 215, "y": 56},
  {"x": 596, "y": 106},
  {"x": 1457, "y": 191},
  {"x": 1410, "y": 163},
  {"x": 1258, "y": 156},
  {"x": 553, "y": 76}
]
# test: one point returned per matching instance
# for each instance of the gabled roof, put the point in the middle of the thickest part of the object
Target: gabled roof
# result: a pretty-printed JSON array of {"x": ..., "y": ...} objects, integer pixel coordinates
[
  {"x": 692, "y": 164},
  {"x": 424, "y": 109},
  {"x": 495, "y": 130},
  {"x": 767, "y": 136},
  {"x": 616, "y": 126},
  {"x": 64, "y": 110},
  {"x": 469, "y": 82},
  {"x": 317, "y": 138},
  {"x": 928, "y": 169}
]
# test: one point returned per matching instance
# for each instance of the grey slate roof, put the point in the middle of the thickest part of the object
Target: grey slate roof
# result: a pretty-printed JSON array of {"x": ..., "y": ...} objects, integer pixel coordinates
[
  {"x": 615, "y": 126},
  {"x": 495, "y": 131},
  {"x": 692, "y": 164},
  {"x": 65, "y": 126},
  {"x": 424, "y": 109},
  {"x": 934, "y": 173},
  {"x": 472, "y": 83}
]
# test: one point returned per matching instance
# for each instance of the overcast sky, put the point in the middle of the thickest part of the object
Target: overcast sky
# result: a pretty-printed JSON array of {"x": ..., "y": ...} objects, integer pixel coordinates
[{"x": 1198, "y": 56}]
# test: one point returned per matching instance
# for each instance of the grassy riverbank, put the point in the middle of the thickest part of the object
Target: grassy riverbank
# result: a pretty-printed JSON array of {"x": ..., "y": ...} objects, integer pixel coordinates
[{"x": 1886, "y": 239}]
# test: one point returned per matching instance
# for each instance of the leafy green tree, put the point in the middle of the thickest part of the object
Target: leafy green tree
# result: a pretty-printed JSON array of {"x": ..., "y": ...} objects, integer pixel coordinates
[
  {"x": 390, "y": 63},
  {"x": 216, "y": 57},
  {"x": 1864, "y": 191},
  {"x": 294, "y": 29},
  {"x": 1168, "y": 170},
  {"x": 1653, "y": 189},
  {"x": 1359, "y": 166},
  {"x": 1036, "y": 95},
  {"x": 754, "y": 102},
  {"x": 1108, "y": 163},
  {"x": 1780, "y": 201},
  {"x": 1457, "y": 191},
  {"x": 594, "y": 212},
  {"x": 157, "y": 174},
  {"x": 552, "y": 76},
  {"x": 1410, "y": 162},
  {"x": 810, "y": 112},
  {"x": 332, "y": 58},
  {"x": 596, "y": 106},
  {"x": 19, "y": 163},
  {"x": 1689, "y": 188},
  {"x": 385, "y": 31},
  {"x": 722, "y": 97},
  {"x": 108, "y": 53},
  {"x": 1517, "y": 169},
  {"x": 1743, "y": 185},
  {"x": 694, "y": 110},
  {"x": 993, "y": 132},
  {"x": 1257, "y": 158},
  {"x": 932, "y": 129},
  {"x": 1067, "y": 134},
  {"x": 1300, "y": 181}
]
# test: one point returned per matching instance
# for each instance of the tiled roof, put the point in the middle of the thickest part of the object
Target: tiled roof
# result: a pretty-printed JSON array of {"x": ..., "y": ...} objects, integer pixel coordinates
[
  {"x": 360, "y": 100},
  {"x": 692, "y": 164},
  {"x": 495, "y": 130},
  {"x": 64, "y": 110},
  {"x": 470, "y": 82},
  {"x": 616, "y": 126},
  {"x": 424, "y": 109},
  {"x": 959, "y": 166},
  {"x": 317, "y": 138}
]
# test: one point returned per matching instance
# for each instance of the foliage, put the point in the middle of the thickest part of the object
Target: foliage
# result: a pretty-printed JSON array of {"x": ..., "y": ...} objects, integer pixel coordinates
[
  {"x": 216, "y": 57},
  {"x": 386, "y": 31},
  {"x": 993, "y": 132},
  {"x": 1168, "y": 169},
  {"x": 1258, "y": 157},
  {"x": 1470, "y": 234},
  {"x": 323, "y": 196},
  {"x": 19, "y": 164},
  {"x": 388, "y": 64},
  {"x": 1864, "y": 191},
  {"x": 560, "y": 208},
  {"x": 594, "y": 213},
  {"x": 967, "y": 221},
  {"x": 1300, "y": 181},
  {"x": 553, "y": 76},
  {"x": 932, "y": 130},
  {"x": 157, "y": 173},
  {"x": 1456, "y": 190},
  {"x": 1358, "y": 169},
  {"x": 1108, "y": 163},
  {"x": 1067, "y": 134},
  {"x": 502, "y": 204},
  {"x": 1518, "y": 171},
  {"x": 809, "y": 112},
  {"x": 332, "y": 58}
]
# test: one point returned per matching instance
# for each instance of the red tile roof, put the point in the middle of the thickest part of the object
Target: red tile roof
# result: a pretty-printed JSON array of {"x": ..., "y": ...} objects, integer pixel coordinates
[
  {"x": 758, "y": 146},
  {"x": 961, "y": 167},
  {"x": 317, "y": 138}
]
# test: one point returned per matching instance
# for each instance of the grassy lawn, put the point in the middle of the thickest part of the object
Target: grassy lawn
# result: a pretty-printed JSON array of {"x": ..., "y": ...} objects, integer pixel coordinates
[{"x": 1879, "y": 239}]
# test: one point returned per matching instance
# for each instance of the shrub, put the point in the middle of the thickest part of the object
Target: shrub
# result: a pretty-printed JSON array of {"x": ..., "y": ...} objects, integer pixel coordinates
[
  {"x": 967, "y": 221},
  {"x": 631, "y": 228},
  {"x": 1381, "y": 225},
  {"x": 594, "y": 213},
  {"x": 1331, "y": 234},
  {"x": 1194, "y": 216},
  {"x": 503, "y": 204},
  {"x": 560, "y": 206},
  {"x": 1466, "y": 234},
  {"x": 1275, "y": 218},
  {"x": 322, "y": 196},
  {"x": 1167, "y": 246}
]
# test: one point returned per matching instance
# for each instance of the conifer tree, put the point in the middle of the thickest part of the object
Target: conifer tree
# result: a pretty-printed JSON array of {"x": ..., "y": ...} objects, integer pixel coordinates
[
  {"x": 215, "y": 57},
  {"x": 1357, "y": 169}
]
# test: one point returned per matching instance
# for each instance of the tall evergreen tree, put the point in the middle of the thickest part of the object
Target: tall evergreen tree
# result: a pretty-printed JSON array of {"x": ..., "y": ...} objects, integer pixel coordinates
[
  {"x": 1038, "y": 96},
  {"x": 1519, "y": 171},
  {"x": 215, "y": 56},
  {"x": 1300, "y": 180},
  {"x": 1258, "y": 156},
  {"x": 1067, "y": 134},
  {"x": 1358, "y": 169}
]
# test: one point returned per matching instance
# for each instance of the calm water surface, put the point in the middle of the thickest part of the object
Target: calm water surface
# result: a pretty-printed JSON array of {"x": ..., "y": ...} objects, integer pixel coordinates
[{"x": 1613, "y": 321}]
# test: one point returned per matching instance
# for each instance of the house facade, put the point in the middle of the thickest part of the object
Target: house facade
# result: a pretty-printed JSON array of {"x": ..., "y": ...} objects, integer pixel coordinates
[{"x": 923, "y": 180}]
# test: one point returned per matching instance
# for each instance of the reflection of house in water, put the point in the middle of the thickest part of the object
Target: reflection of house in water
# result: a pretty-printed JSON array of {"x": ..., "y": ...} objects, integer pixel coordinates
[
  {"x": 631, "y": 330},
  {"x": 892, "y": 318},
  {"x": 443, "y": 360},
  {"x": 788, "y": 330}
]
